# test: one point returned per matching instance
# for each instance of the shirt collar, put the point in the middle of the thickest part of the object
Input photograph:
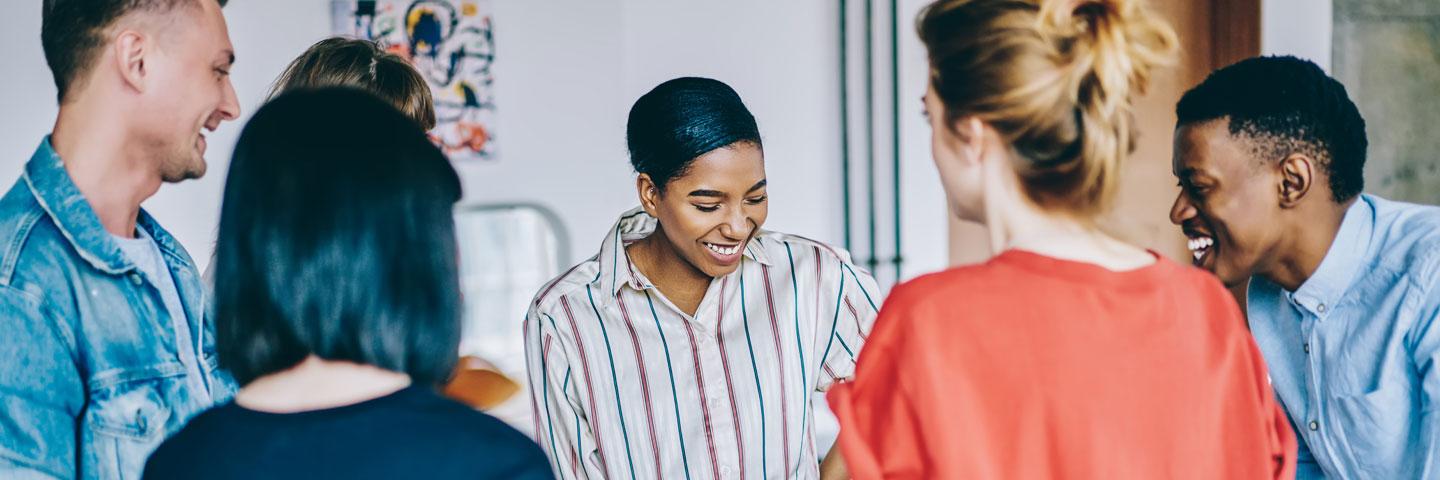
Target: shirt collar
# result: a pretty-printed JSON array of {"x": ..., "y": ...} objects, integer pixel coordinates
[
  {"x": 1323, "y": 289},
  {"x": 616, "y": 271},
  {"x": 72, "y": 214}
]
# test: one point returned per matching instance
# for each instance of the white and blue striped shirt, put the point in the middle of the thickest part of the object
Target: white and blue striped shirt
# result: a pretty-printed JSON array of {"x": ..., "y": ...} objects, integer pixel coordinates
[{"x": 625, "y": 385}]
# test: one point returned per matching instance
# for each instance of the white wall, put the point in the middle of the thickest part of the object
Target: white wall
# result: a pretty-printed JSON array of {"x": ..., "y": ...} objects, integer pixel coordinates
[
  {"x": 566, "y": 75},
  {"x": 924, "y": 216},
  {"x": 27, "y": 95},
  {"x": 1297, "y": 27},
  {"x": 782, "y": 59},
  {"x": 567, "y": 72},
  {"x": 264, "y": 43},
  {"x": 264, "y": 40}
]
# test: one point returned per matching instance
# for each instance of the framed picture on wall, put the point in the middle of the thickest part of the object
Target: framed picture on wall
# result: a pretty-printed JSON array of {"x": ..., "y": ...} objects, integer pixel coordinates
[{"x": 452, "y": 44}]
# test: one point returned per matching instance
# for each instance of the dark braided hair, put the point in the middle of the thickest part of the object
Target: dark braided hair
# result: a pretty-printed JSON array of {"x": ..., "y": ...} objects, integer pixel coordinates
[
  {"x": 682, "y": 119},
  {"x": 1285, "y": 105}
]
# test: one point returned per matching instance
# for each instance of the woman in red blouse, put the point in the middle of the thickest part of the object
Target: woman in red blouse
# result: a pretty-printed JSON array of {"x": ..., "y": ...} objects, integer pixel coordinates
[{"x": 1069, "y": 354}]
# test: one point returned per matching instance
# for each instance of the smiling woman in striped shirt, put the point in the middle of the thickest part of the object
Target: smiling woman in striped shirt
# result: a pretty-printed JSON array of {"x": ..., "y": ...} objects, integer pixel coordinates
[{"x": 690, "y": 345}]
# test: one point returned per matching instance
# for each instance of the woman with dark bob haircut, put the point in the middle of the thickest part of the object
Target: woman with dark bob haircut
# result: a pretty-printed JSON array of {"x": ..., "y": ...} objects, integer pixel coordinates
[
  {"x": 690, "y": 346},
  {"x": 338, "y": 307}
]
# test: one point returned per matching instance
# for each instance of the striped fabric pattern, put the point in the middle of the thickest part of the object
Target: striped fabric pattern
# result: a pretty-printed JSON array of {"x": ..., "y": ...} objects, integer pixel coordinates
[{"x": 626, "y": 386}]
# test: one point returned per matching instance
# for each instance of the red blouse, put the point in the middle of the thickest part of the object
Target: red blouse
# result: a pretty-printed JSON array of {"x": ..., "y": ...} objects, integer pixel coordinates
[{"x": 1033, "y": 367}]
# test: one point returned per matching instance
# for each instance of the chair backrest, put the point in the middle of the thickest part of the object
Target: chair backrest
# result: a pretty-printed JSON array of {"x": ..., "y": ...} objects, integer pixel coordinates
[{"x": 507, "y": 252}]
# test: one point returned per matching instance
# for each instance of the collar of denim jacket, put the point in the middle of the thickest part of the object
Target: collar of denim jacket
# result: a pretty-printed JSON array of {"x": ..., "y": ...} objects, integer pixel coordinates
[{"x": 58, "y": 196}]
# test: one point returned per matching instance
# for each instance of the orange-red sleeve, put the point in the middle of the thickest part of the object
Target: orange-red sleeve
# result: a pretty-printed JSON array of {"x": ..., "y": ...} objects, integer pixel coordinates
[
  {"x": 1282, "y": 440},
  {"x": 879, "y": 428}
]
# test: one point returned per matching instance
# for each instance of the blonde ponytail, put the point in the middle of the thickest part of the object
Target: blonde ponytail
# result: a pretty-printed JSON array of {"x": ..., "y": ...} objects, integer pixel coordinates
[{"x": 1055, "y": 78}]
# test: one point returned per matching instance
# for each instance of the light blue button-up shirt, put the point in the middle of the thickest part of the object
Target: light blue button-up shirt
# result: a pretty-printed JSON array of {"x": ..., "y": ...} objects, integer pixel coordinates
[{"x": 1352, "y": 352}]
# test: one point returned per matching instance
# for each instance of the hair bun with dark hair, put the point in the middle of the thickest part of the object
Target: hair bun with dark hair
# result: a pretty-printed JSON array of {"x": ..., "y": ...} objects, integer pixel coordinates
[{"x": 682, "y": 119}]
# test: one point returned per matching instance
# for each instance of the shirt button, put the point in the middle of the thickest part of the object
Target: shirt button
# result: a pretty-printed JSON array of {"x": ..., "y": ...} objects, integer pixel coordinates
[
  {"x": 1320, "y": 308},
  {"x": 135, "y": 279},
  {"x": 1314, "y": 425},
  {"x": 1307, "y": 347}
]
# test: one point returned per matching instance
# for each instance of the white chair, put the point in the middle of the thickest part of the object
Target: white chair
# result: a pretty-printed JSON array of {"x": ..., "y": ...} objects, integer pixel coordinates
[{"x": 507, "y": 252}]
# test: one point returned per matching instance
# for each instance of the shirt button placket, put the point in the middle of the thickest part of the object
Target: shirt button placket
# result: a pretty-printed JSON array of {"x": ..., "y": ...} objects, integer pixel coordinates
[
  {"x": 1319, "y": 446},
  {"x": 715, "y": 388}
]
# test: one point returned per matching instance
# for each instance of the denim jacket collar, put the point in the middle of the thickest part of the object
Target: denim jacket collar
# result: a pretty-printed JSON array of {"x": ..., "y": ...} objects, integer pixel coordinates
[{"x": 57, "y": 194}]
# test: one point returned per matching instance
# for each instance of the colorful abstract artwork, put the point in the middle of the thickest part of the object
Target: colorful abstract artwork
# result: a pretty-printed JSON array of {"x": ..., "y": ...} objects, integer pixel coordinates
[{"x": 452, "y": 44}]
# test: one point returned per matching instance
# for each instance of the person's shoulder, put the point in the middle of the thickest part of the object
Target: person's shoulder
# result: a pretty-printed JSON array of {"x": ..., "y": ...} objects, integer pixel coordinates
[
  {"x": 781, "y": 243},
  {"x": 37, "y": 261},
  {"x": 19, "y": 208},
  {"x": 973, "y": 285},
  {"x": 573, "y": 280},
  {"x": 803, "y": 253},
  {"x": 468, "y": 430},
  {"x": 1410, "y": 238},
  {"x": 1201, "y": 294},
  {"x": 1190, "y": 276},
  {"x": 27, "y": 234},
  {"x": 19, "y": 200},
  {"x": 958, "y": 301}
]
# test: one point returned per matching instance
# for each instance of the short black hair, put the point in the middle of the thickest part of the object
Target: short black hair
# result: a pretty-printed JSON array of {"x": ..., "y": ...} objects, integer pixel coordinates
[
  {"x": 72, "y": 32},
  {"x": 337, "y": 239},
  {"x": 682, "y": 119},
  {"x": 1286, "y": 105}
]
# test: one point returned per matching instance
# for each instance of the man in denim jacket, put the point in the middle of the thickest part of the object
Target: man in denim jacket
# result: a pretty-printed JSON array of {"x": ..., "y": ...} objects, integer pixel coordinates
[{"x": 105, "y": 347}]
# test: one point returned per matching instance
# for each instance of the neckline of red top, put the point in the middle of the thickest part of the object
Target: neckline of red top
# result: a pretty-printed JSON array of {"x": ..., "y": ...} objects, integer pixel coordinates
[{"x": 1089, "y": 273}]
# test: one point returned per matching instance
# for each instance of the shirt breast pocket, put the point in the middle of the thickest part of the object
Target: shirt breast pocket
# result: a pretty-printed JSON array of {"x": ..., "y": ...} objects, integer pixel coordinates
[
  {"x": 129, "y": 414},
  {"x": 137, "y": 413},
  {"x": 1379, "y": 426}
]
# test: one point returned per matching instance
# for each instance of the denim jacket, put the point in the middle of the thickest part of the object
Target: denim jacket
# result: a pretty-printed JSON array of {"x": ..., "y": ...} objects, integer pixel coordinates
[{"x": 91, "y": 380}]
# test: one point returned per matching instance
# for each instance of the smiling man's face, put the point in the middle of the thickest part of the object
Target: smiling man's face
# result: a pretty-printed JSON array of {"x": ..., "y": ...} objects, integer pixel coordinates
[{"x": 1228, "y": 204}]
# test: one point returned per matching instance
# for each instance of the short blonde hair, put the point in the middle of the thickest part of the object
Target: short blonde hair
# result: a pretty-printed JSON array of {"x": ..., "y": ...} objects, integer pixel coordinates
[
  {"x": 1055, "y": 79},
  {"x": 362, "y": 64}
]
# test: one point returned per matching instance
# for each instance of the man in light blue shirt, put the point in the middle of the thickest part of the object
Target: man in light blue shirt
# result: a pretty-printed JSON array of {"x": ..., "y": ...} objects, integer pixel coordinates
[{"x": 1344, "y": 292}]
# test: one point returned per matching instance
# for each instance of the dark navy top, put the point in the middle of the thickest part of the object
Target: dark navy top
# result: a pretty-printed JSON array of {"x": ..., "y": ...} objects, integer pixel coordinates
[{"x": 412, "y": 433}]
